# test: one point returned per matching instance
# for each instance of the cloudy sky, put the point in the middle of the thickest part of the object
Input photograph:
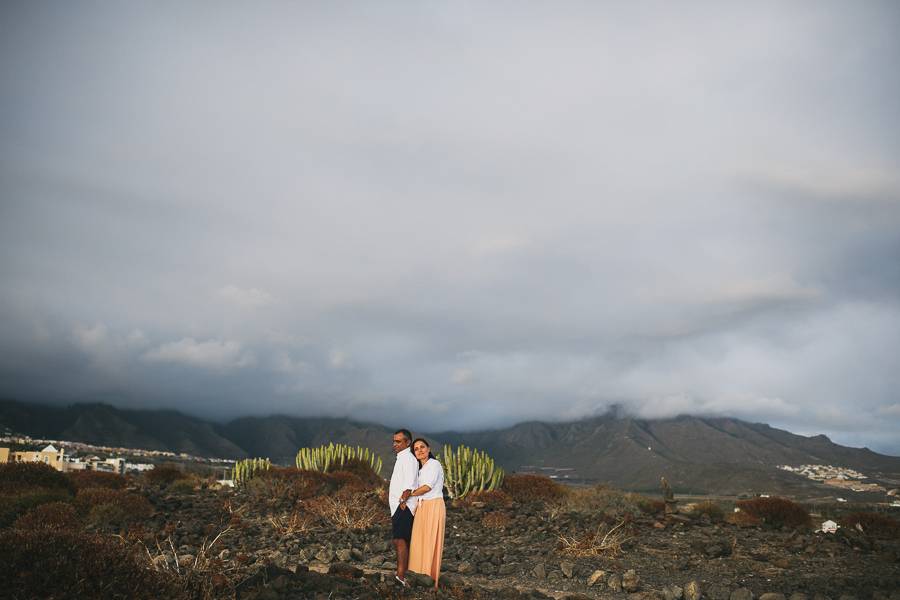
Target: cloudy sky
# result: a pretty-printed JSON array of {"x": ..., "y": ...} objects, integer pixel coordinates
[{"x": 455, "y": 215}]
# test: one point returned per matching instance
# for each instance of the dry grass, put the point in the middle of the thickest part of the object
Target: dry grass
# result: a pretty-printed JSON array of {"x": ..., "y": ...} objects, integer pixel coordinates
[
  {"x": 295, "y": 523},
  {"x": 202, "y": 577},
  {"x": 496, "y": 520},
  {"x": 348, "y": 510},
  {"x": 604, "y": 541}
]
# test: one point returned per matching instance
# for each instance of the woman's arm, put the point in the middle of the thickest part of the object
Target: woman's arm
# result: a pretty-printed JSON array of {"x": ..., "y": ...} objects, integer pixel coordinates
[{"x": 421, "y": 490}]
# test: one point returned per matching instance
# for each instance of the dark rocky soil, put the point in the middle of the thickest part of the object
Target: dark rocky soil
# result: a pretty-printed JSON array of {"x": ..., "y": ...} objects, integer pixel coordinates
[{"x": 678, "y": 557}]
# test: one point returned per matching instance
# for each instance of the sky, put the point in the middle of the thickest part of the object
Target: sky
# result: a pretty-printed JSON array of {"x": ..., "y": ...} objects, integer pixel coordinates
[{"x": 455, "y": 215}]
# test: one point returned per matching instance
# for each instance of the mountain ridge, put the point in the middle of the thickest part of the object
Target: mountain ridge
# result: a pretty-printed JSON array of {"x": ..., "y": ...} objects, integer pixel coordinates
[{"x": 696, "y": 454}]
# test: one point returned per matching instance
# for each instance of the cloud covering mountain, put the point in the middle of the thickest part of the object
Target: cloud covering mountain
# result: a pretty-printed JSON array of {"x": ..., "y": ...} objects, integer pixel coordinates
[{"x": 455, "y": 216}]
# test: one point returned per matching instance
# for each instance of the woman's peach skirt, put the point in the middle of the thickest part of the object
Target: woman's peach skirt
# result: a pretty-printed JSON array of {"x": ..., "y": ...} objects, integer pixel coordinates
[{"x": 427, "y": 545}]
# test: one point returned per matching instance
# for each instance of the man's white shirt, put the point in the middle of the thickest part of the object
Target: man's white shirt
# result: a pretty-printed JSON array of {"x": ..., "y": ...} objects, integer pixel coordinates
[{"x": 404, "y": 477}]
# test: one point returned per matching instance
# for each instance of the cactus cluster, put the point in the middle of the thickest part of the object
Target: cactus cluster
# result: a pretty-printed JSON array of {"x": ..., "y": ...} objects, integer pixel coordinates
[
  {"x": 247, "y": 469},
  {"x": 332, "y": 456},
  {"x": 469, "y": 470}
]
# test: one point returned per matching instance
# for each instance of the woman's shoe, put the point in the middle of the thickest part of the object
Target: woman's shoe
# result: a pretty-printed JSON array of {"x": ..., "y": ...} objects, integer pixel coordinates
[{"x": 401, "y": 581}]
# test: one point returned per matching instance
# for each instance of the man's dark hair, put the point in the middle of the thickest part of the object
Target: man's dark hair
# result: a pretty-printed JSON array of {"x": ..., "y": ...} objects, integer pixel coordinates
[{"x": 405, "y": 433}]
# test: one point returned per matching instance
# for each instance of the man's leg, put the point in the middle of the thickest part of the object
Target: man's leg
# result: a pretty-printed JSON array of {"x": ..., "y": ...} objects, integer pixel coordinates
[{"x": 402, "y": 548}]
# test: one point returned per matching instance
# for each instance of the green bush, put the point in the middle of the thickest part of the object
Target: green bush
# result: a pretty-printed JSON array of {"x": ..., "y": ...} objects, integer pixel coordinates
[{"x": 776, "y": 512}]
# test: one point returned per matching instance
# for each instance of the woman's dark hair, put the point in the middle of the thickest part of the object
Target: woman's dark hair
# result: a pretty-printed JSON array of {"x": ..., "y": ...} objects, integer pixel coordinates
[{"x": 427, "y": 445}]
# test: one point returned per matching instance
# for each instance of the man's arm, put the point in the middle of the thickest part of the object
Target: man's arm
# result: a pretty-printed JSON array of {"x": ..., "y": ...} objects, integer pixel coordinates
[{"x": 409, "y": 480}]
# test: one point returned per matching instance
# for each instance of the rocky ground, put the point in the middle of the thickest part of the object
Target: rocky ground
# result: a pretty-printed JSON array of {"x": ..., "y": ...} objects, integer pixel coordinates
[{"x": 521, "y": 551}]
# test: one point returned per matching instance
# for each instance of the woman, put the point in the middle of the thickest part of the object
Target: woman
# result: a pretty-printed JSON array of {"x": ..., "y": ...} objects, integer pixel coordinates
[{"x": 427, "y": 546}]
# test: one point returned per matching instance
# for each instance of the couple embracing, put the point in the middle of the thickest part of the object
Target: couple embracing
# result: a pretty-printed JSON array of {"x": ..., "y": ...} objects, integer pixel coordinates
[{"x": 416, "y": 496}]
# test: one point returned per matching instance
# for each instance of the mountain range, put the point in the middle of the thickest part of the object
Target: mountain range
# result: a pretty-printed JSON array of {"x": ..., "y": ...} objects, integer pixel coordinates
[{"x": 696, "y": 454}]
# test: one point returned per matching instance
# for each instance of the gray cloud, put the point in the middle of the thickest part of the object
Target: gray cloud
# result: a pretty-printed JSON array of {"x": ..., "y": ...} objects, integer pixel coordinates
[{"x": 469, "y": 216}]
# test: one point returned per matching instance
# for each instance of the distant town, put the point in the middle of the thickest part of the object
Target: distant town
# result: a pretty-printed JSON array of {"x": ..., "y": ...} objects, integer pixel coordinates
[
  {"x": 839, "y": 477},
  {"x": 68, "y": 456}
]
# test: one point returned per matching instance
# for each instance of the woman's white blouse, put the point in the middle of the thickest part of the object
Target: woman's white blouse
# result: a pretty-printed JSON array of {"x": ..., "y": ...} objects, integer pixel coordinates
[{"x": 432, "y": 475}]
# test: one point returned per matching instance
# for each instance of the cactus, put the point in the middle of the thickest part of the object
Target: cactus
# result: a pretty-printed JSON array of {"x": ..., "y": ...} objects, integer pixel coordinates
[
  {"x": 332, "y": 456},
  {"x": 247, "y": 469},
  {"x": 469, "y": 470}
]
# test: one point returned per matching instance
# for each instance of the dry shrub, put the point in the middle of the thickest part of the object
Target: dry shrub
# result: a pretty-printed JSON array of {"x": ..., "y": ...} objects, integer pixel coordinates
[
  {"x": 106, "y": 507},
  {"x": 66, "y": 564},
  {"x": 348, "y": 510},
  {"x": 96, "y": 479},
  {"x": 362, "y": 470},
  {"x": 600, "y": 499},
  {"x": 18, "y": 477},
  {"x": 743, "y": 519},
  {"x": 296, "y": 522},
  {"x": 710, "y": 509},
  {"x": 496, "y": 520},
  {"x": 525, "y": 488},
  {"x": 872, "y": 523},
  {"x": 649, "y": 506},
  {"x": 776, "y": 512},
  {"x": 280, "y": 484},
  {"x": 53, "y": 515},
  {"x": 605, "y": 540},
  {"x": 16, "y": 505},
  {"x": 488, "y": 498},
  {"x": 185, "y": 485},
  {"x": 203, "y": 578},
  {"x": 164, "y": 474}
]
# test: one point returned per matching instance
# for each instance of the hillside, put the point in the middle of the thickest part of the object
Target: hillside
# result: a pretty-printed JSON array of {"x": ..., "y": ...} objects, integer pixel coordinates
[{"x": 697, "y": 455}]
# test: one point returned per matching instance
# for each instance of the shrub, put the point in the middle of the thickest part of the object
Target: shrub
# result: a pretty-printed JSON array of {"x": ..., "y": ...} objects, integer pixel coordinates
[
  {"x": 532, "y": 488},
  {"x": 53, "y": 515},
  {"x": 649, "y": 506},
  {"x": 496, "y": 520},
  {"x": 776, "y": 512},
  {"x": 874, "y": 524},
  {"x": 361, "y": 469},
  {"x": 348, "y": 510},
  {"x": 18, "y": 477},
  {"x": 743, "y": 519},
  {"x": 106, "y": 507},
  {"x": 490, "y": 499},
  {"x": 96, "y": 479},
  {"x": 14, "y": 506},
  {"x": 182, "y": 486},
  {"x": 710, "y": 509},
  {"x": 66, "y": 564},
  {"x": 164, "y": 474}
]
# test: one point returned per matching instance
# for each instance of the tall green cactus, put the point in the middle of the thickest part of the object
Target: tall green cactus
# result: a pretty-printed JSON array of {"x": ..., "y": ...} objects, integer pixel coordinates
[
  {"x": 247, "y": 469},
  {"x": 469, "y": 470},
  {"x": 332, "y": 456}
]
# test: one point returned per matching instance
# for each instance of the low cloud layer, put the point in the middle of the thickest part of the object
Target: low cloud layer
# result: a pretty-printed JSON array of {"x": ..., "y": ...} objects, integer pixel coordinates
[{"x": 455, "y": 217}]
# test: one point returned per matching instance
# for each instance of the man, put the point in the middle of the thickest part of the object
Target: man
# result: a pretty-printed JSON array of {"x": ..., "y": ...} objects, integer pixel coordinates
[{"x": 404, "y": 479}]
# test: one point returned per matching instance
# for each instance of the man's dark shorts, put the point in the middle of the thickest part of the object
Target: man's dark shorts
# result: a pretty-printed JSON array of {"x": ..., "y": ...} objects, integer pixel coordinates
[{"x": 401, "y": 524}]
